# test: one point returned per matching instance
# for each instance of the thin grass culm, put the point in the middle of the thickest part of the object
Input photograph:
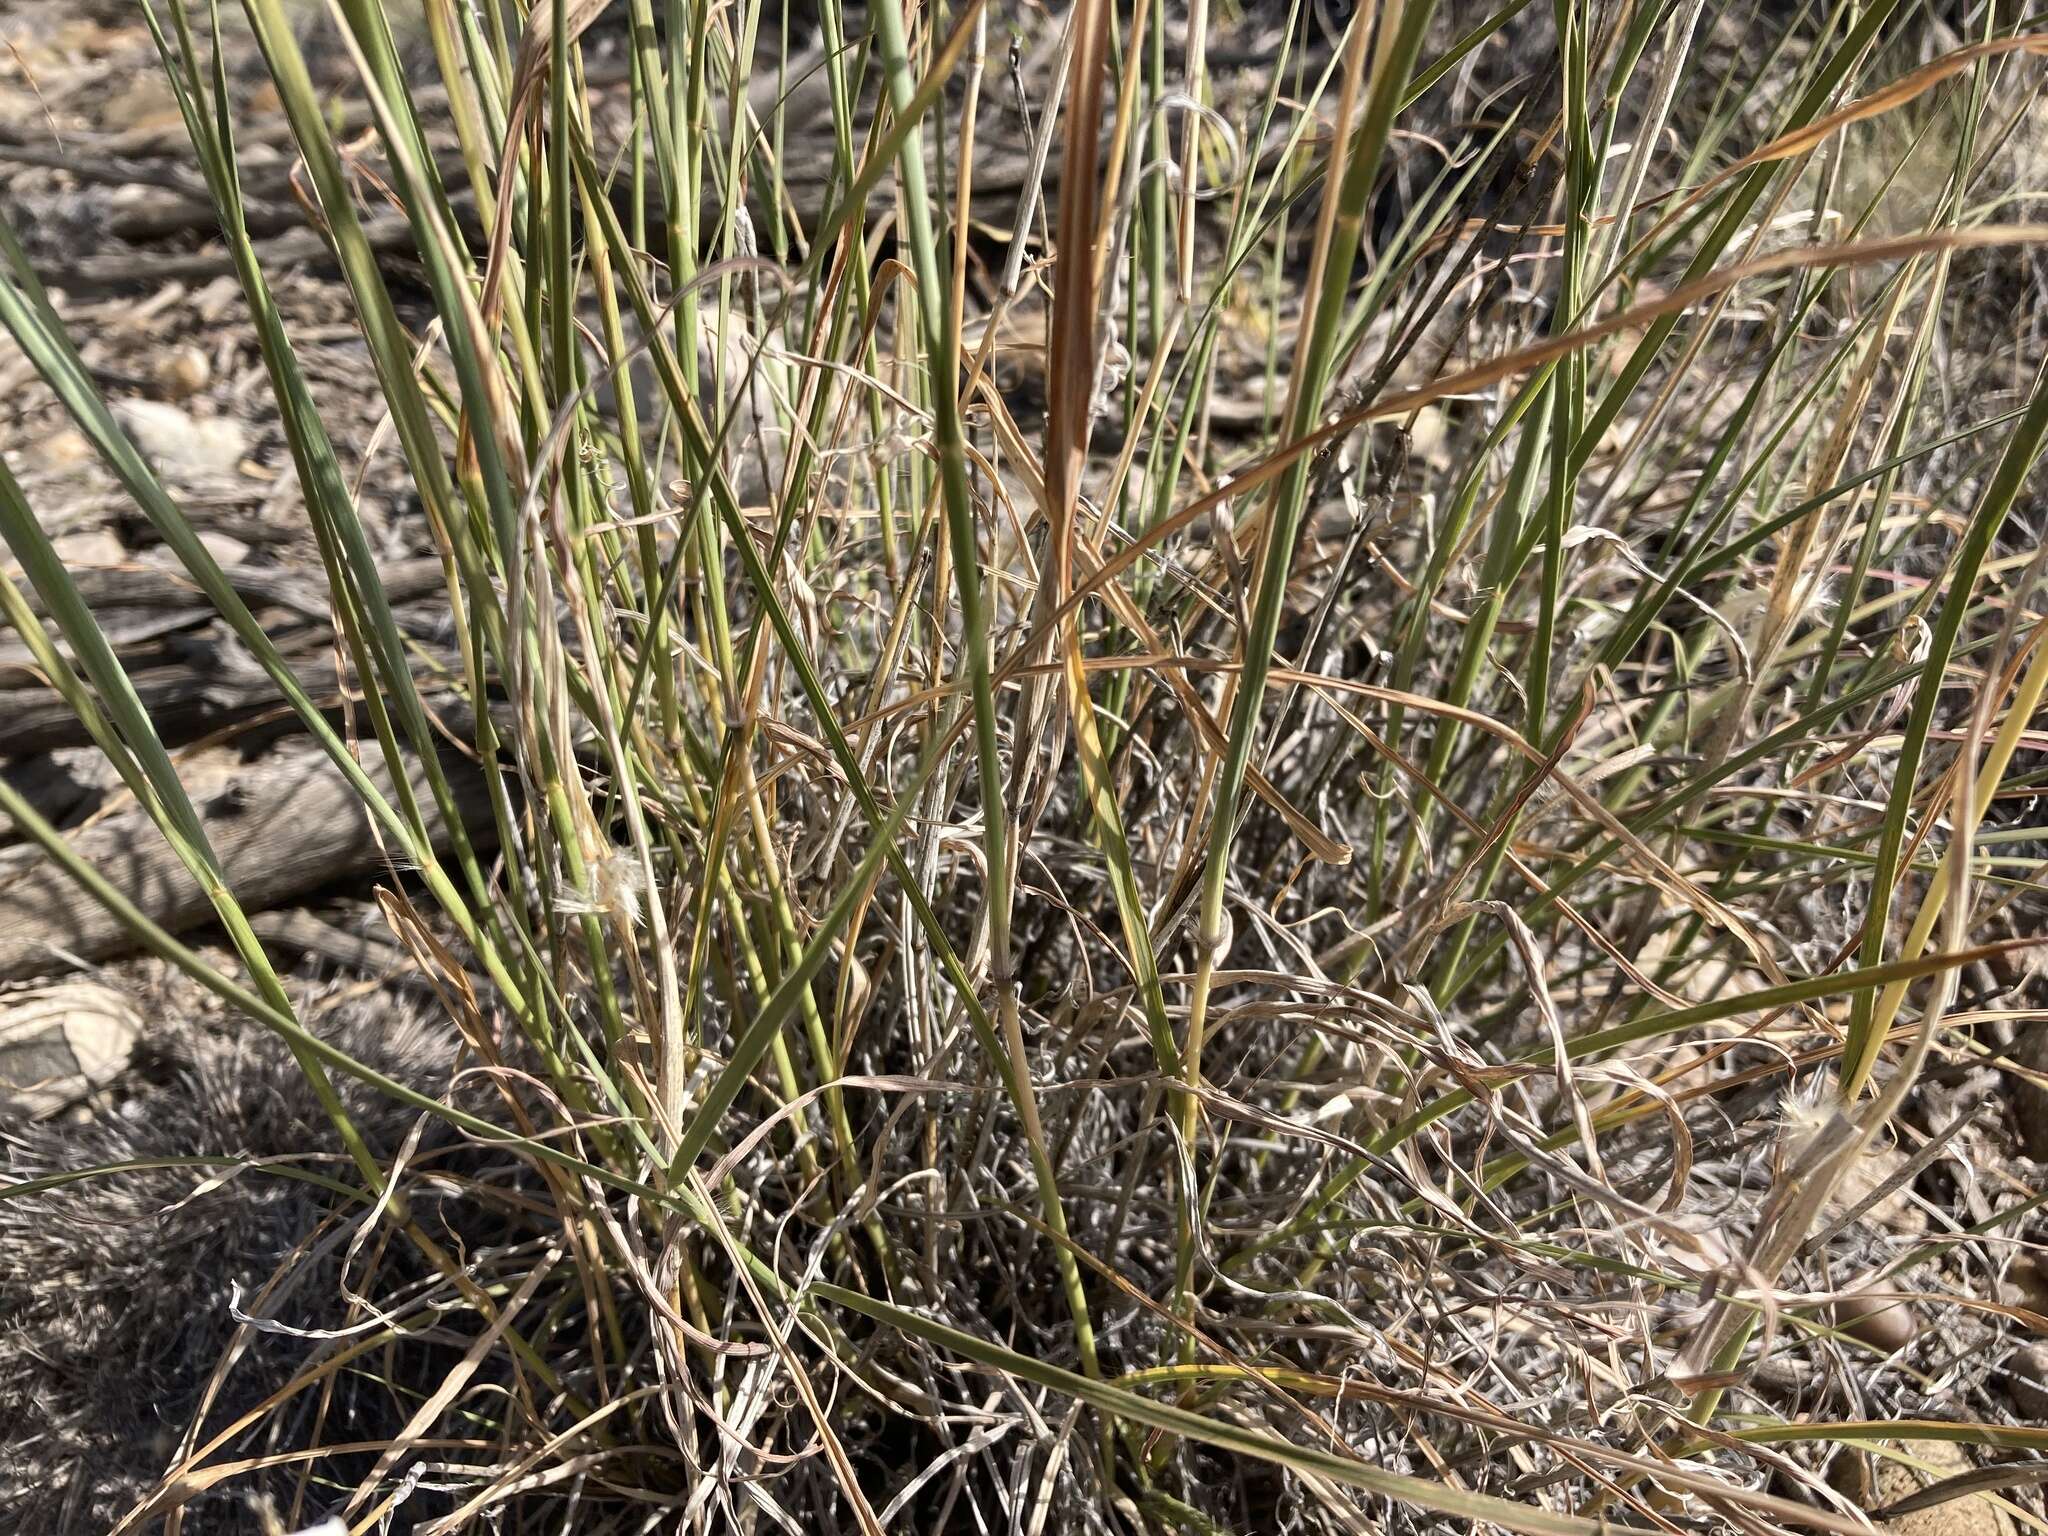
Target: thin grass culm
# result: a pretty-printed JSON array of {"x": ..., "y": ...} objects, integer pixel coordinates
[{"x": 1156, "y": 766}]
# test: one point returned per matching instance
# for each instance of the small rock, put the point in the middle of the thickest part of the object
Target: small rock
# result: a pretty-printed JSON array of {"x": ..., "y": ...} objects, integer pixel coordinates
[
  {"x": 1429, "y": 438},
  {"x": 61, "y": 450},
  {"x": 85, "y": 36},
  {"x": 217, "y": 299},
  {"x": 19, "y": 106},
  {"x": 1880, "y": 1322},
  {"x": 176, "y": 439},
  {"x": 90, "y": 547},
  {"x": 183, "y": 372},
  {"x": 2026, "y": 1282},
  {"x": 60, "y": 1043},
  {"x": 2027, "y": 1379},
  {"x": 146, "y": 102},
  {"x": 225, "y": 548}
]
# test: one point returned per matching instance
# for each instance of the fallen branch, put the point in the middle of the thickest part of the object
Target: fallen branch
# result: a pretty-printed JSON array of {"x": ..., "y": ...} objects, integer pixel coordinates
[{"x": 286, "y": 826}]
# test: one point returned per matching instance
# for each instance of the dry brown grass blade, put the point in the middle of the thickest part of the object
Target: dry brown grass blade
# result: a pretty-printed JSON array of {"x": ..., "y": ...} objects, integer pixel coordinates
[
  {"x": 799, "y": 1377},
  {"x": 1523, "y": 941},
  {"x": 1485, "y": 978},
  {"x": 2023, "y": 1474},
  {"x": 1887, "y": 99},
  {"x": 536, "y": 47},
  {"x": 1196, "y": 711},
  {"x": 1526, "y": 360},
  {"x": 1071, "y": 359},
  {"x": 522, "y": 1472},
  {"x": 412, "y": 1436}
]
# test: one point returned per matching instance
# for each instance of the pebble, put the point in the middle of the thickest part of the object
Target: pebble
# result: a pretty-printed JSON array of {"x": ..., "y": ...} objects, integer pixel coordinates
[
  {"x": 2026, "y": 1282},
  {"x": 2027, "y": 1379},
  {"x": 146, "y": 102},
  {"x": 90, "y": 547},
  {"x": 227, "y": 550},
  {"x": 1881, "y": 1323},
  {"x": 61, "y": 449},
  {"x": 18, "y": 105},
  {"x": 183, "y": 372},
  {"x": 176, "y": 439}
]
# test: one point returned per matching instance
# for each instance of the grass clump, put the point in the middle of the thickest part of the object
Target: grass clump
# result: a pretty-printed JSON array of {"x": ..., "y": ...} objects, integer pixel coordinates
[{"x": 1188, "y": 719}]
